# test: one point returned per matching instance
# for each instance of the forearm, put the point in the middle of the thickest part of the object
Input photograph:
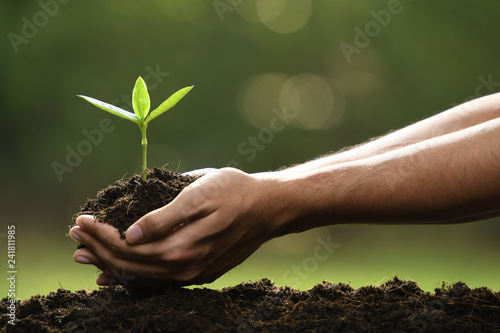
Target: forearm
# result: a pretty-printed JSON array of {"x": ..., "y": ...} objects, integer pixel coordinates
[
  {"x": 448, "y": 179},
  {"x": 455, "y": 119}
]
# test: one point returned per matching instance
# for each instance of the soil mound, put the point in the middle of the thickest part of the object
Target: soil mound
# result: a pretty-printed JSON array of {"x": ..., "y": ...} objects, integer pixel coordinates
[
  {"x": 395, "y": 306},
  {"x": 125, "y": 201}
]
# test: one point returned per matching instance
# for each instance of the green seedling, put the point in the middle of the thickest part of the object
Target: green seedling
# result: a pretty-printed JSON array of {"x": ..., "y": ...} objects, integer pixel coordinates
[{"x": 141, "y": 115}]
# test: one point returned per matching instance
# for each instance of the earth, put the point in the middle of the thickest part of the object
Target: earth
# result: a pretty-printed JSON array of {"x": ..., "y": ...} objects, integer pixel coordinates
[
  {"x": 395, "y": 306},
  {"x": 124, "y": 202},
  {"x": 261, "y": 306}
]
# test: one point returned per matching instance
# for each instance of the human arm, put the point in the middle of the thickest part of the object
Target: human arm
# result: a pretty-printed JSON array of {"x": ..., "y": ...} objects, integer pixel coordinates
[
  {"x": 455, "y": 119},
  {"x": 448, "y": 179}
]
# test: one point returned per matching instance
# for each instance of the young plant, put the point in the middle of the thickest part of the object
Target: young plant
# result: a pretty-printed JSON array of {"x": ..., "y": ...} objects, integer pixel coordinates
[{"x": 141, "y": 115}]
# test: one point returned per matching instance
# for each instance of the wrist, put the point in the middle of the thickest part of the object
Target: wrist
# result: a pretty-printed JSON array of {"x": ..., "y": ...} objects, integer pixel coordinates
[
  {"x": 320, "y": 197},
  {"x": 286, "y": 198}
]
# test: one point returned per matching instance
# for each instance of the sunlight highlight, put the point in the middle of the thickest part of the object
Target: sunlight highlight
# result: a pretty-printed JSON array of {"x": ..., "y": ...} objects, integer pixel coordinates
[{"x": 312, "y": 99}]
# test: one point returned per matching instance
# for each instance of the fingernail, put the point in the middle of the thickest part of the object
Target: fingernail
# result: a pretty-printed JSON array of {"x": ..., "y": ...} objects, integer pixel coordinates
[
  {"x": 134, "y": 234},
  {"x": 83, "y": 260},
  {"x": 75, "y": 236},
  {"x": 83, "y": 220}
]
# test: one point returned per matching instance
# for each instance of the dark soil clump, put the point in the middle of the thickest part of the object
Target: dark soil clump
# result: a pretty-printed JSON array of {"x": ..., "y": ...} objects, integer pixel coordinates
[
  {"x": 396, "y": 306},
  {"x": 125, "y": 201}
]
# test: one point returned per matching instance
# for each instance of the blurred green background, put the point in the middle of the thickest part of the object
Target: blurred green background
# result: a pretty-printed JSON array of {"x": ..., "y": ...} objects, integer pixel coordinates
[{"x": 246, "y": 58}]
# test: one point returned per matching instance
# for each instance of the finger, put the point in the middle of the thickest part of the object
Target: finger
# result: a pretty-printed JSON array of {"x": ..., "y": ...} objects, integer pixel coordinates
[
  {"x": 87, "y": 257},
  {"x": 94, "y": 234},
  {"x": 105, "y": 244},
  {"x": 73, "y": 232},
  {"x": 92, "y": 225},
  {"x": 121, "y": 267},
  {"x": 185, "y": 208},
  {"x": 104, "y": 280},
  {"x": 83, "y": 220},
  {"x": 198, "y": 172},
  {"x": 102, "y": 232}
]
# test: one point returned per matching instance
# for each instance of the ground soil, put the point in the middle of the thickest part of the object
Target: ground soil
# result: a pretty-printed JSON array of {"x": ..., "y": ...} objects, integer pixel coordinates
[
  {"x": 125, "y": 201},
  {"x": 396, "y": 306}
]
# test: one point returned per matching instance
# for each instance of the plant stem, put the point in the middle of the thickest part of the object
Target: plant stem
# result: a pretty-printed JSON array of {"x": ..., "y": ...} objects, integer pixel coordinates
[{"x": 144, "y": 142}]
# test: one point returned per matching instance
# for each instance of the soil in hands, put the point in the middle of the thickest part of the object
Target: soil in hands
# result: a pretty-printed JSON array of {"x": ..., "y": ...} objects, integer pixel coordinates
[
  {"x": 127, "y": 200},
  {"x": 396, "y": 306}
]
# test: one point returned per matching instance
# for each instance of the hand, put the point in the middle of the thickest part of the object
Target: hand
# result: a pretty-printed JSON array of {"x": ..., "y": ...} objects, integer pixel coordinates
[{"x": 212, "y": 226}]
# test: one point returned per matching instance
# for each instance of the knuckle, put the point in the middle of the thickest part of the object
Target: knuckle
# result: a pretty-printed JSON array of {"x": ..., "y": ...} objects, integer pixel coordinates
[
  {"x": 189, "y": 271},
  {"x": 115, "y": 247},
  {"x": 151, "y": 224},
  {"x": 179, "y": 256},
  {"x": 113, "y": 263}
]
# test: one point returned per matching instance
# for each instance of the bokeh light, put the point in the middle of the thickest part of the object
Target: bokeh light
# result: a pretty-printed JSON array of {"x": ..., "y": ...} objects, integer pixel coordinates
[
  {"x": 292, "y": 17},
  {"x": 311, "y": 98},
  {"x": 367, "y": 86},
  {"x": 258, "y": 96},
  {"x": 269, "y": 10},
  {"x": 281, "y": 16},
  {"x": 249, "y": 11}
]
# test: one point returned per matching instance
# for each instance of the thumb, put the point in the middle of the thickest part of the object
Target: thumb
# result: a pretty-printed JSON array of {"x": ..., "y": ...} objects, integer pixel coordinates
[
  {"x": 162, "y": 221},
  {"x": 134, "y": 234},
  {"x": 154, "y": 225}
]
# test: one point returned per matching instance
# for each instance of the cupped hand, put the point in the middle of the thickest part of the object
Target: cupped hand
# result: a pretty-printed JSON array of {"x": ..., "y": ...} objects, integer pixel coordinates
[{"x": 210, "y": 227}]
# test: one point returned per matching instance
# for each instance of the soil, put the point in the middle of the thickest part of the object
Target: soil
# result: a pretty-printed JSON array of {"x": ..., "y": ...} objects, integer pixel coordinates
[
  {"x": 125, "y": 201},
  {"x": 395, "y": 306}
]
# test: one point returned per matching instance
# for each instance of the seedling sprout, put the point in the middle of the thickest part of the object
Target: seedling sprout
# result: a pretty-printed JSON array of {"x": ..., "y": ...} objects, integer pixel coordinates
[{"x": 141, "y": 116}]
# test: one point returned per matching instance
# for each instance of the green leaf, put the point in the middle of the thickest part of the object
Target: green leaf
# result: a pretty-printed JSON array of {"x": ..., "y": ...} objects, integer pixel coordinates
[
  {"x": 140, "y": 99},
  {"x": 112, "y": 109},
  {"x": 170, "y": 102}
]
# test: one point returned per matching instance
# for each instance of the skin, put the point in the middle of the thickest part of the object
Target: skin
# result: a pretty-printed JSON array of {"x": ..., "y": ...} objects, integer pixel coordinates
[{"x": 444, "y": 169}]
